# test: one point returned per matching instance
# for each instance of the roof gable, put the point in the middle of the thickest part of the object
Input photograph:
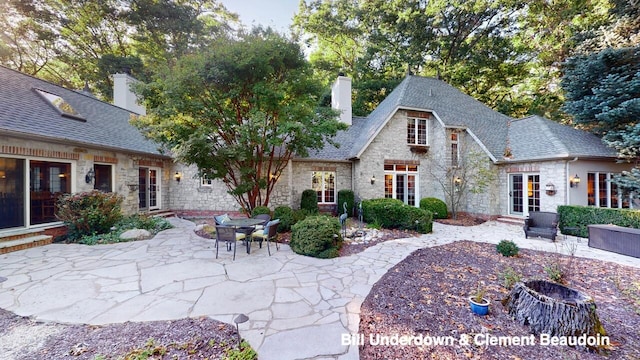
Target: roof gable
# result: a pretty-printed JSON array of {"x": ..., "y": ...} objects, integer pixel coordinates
[{"x": 23, "y": 111}]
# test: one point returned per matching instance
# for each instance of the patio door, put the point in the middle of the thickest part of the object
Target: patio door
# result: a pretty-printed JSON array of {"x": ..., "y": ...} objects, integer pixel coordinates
[
  {"x": 148, "y": 188},
  {"x": 12, "y": 193},
  {"x": 524, "y": 194}
]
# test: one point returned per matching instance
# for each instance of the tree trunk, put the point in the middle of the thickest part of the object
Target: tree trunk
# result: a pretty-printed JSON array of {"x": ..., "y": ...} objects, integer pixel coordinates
[{"x": 554, "y": 309}]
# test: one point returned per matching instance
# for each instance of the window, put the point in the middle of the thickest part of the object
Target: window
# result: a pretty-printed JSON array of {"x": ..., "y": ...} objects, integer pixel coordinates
[
  {"x": 455, "y": 150},
  {"x": 601, "y": 192},
  {"x": 103, "y": 180},
  {"x": 324, "y": 183},
  {"x": 58, "y": 103},
  {"x": 417, "y": 133},
  {"x": 49, "y": 180},
  {"x": 205, "y": 181},
  {"x": 401, "y": 182}
]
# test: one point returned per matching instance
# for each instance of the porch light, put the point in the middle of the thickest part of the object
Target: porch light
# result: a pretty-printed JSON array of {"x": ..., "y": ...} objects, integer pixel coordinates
[
  {"x": 177, "y": 176},
  {"x": 550, "y": 189},
  {"x": 574, "y": 181},
  {"x": 457, "y": 181},
  {"x": 90, "y": 176},
  {"x": 373, "y": 179}
]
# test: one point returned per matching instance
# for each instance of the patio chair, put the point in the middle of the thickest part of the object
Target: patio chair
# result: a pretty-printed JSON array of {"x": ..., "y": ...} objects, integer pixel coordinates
[
  {"x": 269, "y": 233},
  {"x": 229, "y": 235},
  {"x": 265, "y": 217}
]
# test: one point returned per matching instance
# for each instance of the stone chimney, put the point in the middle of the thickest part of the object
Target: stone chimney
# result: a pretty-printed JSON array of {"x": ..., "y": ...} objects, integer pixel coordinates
[
  {"x": 123, "y": 96},
  {"x": 341, "y": 98}
]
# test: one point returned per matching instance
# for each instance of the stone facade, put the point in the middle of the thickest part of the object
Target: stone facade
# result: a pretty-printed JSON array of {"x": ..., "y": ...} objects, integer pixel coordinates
[{"x": 81, "y": 159}]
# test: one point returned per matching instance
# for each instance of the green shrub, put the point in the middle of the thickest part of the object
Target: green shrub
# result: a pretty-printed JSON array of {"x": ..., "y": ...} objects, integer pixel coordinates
[
  {"x": 309, "y": 201},
  {"x": 507, "y": 248},
  {"x": 85, "y": 213},
  {"x": 316, "y": 236},
  {"x": 511, "y": 277},
  {"x": 394, "y": 214},
  {"x": 153, "y": 224},
  {"x": 576, "y": 218},
  {"x": 346, "y": 196},
  {"x": 260, "y": 210},
  {"x": 299, "y": 215},
  {"x": 286, "y": 216},
  {"x": 436, "y": 206}
]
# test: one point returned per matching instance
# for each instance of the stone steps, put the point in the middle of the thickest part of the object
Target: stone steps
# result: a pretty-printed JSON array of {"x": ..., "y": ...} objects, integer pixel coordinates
[
  {"x": 23, "y": 239},
  {"x": 511, "y": 220},
  {"x": 162, "y": 213}
]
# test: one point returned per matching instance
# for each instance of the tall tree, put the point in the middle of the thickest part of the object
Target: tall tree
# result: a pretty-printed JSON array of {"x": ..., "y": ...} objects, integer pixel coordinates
[{"x": 240, "y": 111}]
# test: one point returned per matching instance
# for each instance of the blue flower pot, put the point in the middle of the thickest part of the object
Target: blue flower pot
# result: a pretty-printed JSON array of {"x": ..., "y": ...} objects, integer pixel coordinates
[{"x": 481, "y": 309}]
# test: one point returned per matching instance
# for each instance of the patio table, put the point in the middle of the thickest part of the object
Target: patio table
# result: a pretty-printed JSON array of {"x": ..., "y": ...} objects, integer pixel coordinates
[{"x": 242, "y": 224}]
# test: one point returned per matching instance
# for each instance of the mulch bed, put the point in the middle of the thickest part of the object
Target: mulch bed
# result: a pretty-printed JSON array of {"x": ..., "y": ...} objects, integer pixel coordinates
[
  {"x": 201, "y": 338},
  {"x": 426, "y": 294}
]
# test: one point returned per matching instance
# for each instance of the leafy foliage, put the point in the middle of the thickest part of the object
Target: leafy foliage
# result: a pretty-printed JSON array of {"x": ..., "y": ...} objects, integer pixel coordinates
[
  {"x": 260, "y": 210},
  {"x": 507, "y": 248},
  {"x": 309, "y": 201},
  {"x": 239, "y": 111},
  {"x": 286, "y": 216},
  {"x": 316, "y": 236},
  {"x": 394, "y": 214},
  {"x": 578, "y": 217},
  {"x": 346, "y": 196},
  {"x": 437, "y": 207},
  {"x": 90, "y": 212},
  {"x": 511, "y": 277},
  {"x": 137, "y": 221}
]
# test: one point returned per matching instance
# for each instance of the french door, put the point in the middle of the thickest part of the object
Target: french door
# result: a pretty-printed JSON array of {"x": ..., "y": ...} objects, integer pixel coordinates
[
  {"x": 148, "y": 188},
  {"x": 524, "y": 194}
]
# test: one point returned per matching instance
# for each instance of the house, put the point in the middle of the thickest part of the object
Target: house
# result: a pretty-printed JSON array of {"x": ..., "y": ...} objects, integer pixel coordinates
[{"x": 55, "y": 140}]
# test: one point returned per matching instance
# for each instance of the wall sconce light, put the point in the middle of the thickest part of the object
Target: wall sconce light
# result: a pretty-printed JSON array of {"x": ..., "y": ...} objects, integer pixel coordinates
[
  {"x": 574, "y": 181},
  {"x": 457, "y": 182},
  {"x": 550, "y": 189},
  {"x": 177, "y": 176},
  {"x": 90, "y": 176},
  {"x": 373, "y": 179}
]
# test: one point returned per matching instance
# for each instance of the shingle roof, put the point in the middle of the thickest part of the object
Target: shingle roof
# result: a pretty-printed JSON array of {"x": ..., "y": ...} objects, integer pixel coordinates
[
  {"x": 23, "y": 111},
  {"x": 535, "y": 138},
  {"x": 456, "y": 109}
]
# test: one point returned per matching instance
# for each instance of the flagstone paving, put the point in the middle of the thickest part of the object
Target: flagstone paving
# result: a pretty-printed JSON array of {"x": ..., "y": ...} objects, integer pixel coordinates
[{"x": 298, "y": 307}]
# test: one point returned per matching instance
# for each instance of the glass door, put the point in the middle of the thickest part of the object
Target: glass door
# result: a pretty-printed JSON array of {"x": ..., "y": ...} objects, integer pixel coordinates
[
  {"x": 148, "y": 189},
  {"x": 12, "y": 193},
  {"x": 524, "y": 194}
]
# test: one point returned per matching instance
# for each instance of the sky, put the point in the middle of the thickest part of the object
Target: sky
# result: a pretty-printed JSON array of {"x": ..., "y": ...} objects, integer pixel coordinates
[{"x": 275, "y": 13}]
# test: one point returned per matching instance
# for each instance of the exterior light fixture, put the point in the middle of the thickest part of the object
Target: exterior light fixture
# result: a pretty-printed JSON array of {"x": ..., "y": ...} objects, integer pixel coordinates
[
  {"x": 457, "y": 181},
  {"x": 177, "y": 176},
  {"x": 574, "y": 181},
  {"x": 550, "y": 189},
  {"x": 373, "y": 179},
  {"x": 240, "y": 319},
  {"x": 91, "y": 174}
]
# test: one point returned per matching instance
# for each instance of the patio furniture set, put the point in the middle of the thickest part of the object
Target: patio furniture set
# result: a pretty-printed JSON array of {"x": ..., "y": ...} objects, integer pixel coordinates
[
  {"x": 259, "y": 228},
  {"x": 618, "y": 239}
]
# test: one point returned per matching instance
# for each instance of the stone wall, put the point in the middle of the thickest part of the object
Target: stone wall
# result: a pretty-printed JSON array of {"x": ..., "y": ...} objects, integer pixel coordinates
[
  {"x": 301, "y": 178},
  {"x": 82, "y": 159}
]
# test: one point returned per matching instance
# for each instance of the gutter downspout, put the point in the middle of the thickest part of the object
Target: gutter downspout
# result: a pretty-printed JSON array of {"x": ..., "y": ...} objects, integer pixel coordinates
[{"x": 566, "y": 183}]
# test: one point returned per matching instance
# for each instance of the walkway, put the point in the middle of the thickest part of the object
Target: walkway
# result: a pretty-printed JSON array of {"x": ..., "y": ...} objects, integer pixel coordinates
[{"x": 298, "y": 307}]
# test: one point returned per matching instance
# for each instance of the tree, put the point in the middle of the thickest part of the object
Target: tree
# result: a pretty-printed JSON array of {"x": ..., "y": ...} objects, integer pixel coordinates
[
  {"x": 470, "y": 175},
  {"x": 240, "y": 111}
]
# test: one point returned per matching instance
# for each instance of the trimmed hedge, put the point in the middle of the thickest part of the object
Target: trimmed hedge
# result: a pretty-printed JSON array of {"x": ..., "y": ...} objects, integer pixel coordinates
[
  {"x": 316, "y": 236},
  {"x": 437, "y": 207},
  {"x": 309, "y": 201},
  {"x": 347, "y": 196},
  {"x": 394, "y": 214},
  {"x": 260, "y": 210},
  {"x": 579, "y": 217},
  {"x": 285, "y": 214}
]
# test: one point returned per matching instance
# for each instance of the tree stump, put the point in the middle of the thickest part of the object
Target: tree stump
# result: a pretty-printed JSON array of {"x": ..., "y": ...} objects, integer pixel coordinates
[{"x": 554, "y": 309}]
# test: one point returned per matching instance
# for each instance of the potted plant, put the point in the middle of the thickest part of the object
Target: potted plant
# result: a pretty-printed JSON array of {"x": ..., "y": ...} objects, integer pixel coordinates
[{"x": 479, "y": 304}]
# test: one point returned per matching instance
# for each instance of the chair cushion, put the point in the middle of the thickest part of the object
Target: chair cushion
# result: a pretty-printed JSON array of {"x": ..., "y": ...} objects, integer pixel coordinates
[
  {"x": 240, "y": 236},
  {"x": 221, "y": 219}
]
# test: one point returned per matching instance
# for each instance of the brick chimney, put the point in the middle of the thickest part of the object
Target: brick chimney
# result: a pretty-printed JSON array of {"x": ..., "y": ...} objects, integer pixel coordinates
[
  {"x": 341, "y": 98},
  {"x": 123, "y": 96}
]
